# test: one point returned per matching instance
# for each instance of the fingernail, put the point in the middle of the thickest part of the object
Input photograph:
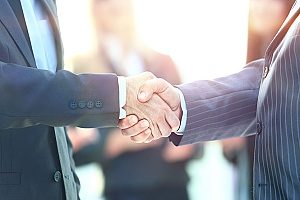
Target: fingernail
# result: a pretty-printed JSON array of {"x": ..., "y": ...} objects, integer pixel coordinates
[
  {"x": 145, "y": 124},
  {"x": 133, "y": 120},
  {"x": 142, "y": 95}
]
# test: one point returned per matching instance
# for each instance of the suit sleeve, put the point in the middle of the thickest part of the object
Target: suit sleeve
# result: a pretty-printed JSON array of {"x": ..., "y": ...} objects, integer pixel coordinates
[
  {"x": 221, "y": 108},
  {"x": 31, "y": 96}
]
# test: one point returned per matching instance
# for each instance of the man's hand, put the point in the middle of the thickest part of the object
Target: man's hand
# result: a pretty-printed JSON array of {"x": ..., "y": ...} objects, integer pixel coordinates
[
  {"x": 160, "y": 116},
  {"x": 156, "y": 118},
  {"x": 164, "y": 90}
]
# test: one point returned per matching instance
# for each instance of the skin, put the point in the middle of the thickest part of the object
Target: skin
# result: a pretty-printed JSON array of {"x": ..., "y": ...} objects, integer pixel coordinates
[
  {"x": 156, "y": 118},
  {"x": 154, "y": 92}
]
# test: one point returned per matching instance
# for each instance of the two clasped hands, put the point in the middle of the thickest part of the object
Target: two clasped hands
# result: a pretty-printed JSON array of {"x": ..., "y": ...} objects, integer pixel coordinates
[{"x": 153, "y": 108}]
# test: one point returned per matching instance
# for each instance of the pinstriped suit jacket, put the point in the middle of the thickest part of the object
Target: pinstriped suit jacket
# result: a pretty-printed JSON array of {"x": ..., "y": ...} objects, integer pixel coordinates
[{"x": 262, "y": 99}]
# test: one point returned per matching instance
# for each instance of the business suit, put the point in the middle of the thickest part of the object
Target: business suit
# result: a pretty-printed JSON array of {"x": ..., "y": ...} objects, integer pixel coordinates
[
  {"x": 35, "y": 105},
  {"x": 262, "y": 99}
]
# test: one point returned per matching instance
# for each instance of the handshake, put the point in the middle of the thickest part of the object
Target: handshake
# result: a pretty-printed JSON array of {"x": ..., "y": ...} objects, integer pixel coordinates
[{"x": 153, "y": 108}]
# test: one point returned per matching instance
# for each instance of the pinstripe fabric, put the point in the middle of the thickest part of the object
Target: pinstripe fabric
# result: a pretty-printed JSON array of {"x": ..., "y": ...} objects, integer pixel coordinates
[{"x": 244, "y": 104}]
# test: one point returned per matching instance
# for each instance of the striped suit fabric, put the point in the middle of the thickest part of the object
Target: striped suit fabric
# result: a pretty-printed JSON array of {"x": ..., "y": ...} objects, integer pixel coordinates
[{"x": 262, "y": 99}]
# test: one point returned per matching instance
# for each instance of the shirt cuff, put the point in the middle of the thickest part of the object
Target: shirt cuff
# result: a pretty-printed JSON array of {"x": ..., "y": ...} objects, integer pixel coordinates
[
  {"x": 122, "y": 96},
  {"x": 184, "y": 113}
]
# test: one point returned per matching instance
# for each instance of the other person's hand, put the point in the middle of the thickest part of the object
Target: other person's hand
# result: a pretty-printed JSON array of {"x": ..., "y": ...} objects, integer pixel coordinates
[{"x": 152, "y": 95}]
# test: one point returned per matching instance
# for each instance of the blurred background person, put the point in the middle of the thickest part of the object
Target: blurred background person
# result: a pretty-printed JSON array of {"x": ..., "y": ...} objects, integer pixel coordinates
[
  {"x": 123, "y": 162},
  {"x": 265, "y": 18}
]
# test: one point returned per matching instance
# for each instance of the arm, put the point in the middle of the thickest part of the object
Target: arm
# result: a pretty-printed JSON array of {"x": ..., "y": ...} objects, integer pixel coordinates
[
  {"x": 222, "y": 108},
  {"x": 217, "y": 109},
  {"x": 31, "y": 96}
]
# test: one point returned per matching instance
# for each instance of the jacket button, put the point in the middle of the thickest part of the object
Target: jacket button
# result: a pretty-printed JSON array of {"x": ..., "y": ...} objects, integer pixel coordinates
[
  {"x": 90, "y": 104},
  {"x": 99, "y": 104},
  {"x": 57, "y": 176},
  {"x": 258, "y": 127},
  {"x": 266, "y": 71},
  {"x": 81, "y": 104},
  {"x": 73, "y": 105}
]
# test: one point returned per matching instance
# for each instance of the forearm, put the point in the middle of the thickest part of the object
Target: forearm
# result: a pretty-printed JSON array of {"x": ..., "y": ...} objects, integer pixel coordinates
[
  {"x": 31, "y": 96},
  {"x": 222, "y": 108}
]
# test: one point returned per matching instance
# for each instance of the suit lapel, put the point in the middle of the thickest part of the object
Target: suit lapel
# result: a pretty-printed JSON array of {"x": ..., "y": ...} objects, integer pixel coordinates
[
  {"x": 50, "y": 7},
  {"x": 9, "y": 20}
]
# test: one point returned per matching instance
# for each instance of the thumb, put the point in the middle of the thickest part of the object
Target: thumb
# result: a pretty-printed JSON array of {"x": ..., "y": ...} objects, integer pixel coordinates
[
  {"x": 162, "y": 88},
  {"x": 146, "y": 91}
]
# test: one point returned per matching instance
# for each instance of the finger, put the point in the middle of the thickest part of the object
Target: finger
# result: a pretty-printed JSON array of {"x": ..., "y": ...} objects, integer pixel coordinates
[
  {"x": 149, "y": 139},
  {"x": 162, "y": 88},
  {"x": 173, "y": 121},
  {"x": 128, "y": 122},
  {"x": 165, "y": 129},
  {"x": 141, "y": 137},
  {"x": 149, "y": 87},
  {"x": 136, "y": 129},
  {"x": 156, "y": 133}
]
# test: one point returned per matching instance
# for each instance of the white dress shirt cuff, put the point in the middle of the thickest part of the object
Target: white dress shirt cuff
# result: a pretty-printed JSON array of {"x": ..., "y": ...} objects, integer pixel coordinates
[
  {"x": 122, "y": 96},
  {"x": 184, "y": 113}
]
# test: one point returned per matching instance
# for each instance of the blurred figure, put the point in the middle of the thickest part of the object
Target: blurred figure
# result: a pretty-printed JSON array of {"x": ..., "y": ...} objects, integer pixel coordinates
[
  {"x": 123, "y": 162},
  {"x": 265, "y": 18}
]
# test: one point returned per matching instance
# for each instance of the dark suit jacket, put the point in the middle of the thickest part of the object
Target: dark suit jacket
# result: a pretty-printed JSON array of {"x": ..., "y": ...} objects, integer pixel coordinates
[
  {"x": 262, "y": 99},
  {"x": 35, "y": 105}
]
